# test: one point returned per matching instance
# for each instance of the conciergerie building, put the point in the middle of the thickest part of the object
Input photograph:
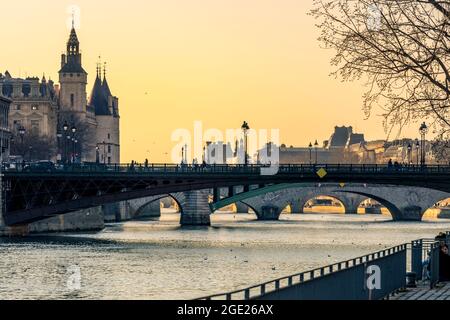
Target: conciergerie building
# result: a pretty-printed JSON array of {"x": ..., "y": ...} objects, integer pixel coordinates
[{"x": 80, "y": 128}]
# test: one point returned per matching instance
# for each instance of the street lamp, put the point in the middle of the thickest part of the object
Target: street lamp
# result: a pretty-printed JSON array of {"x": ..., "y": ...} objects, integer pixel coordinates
[
  {"x": 65, "y": 128},
  {"x": 316, "y": 146},
  {"x": 409, "y": 153},
  {"x": 97, "y": 155},
  {"x": 423, "y": 131},
  {"x": 75, "y": 150},
  {"x": 310, "y": 152},
  {"x": 245, "y": 128},
  {"x": 59, "y": 136},
  {"x": 182, "y": 155},
  {"x": 68, "y": 139},
  {"x": 22, "y": 134},
  {"x": 417, "y": 151}
]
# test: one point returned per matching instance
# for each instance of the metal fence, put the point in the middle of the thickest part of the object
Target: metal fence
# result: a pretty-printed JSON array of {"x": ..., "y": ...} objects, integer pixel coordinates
[{"x": 348, "y": 280}]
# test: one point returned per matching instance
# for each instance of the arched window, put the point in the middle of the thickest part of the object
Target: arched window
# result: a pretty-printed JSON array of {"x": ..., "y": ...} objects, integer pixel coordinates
[{"x": 72, "y": 100}]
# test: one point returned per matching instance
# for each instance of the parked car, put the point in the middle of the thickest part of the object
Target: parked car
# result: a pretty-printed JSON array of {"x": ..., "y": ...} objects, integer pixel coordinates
[{"x": 40, "y": 166}]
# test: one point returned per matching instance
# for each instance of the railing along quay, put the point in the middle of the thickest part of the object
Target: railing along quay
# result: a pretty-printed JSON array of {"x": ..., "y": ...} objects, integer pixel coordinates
[{"x": 350, "y": 279}]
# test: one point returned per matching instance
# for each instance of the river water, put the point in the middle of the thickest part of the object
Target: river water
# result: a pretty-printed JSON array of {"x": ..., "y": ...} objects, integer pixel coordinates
[{"x": 160, "y": 260}]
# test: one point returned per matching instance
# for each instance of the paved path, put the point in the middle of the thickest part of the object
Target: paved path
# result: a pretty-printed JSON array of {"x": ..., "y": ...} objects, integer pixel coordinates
[{"x": 423, "y": 292}]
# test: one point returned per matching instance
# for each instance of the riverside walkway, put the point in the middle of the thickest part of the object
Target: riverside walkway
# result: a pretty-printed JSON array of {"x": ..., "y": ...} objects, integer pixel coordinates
[{"x": 423, "y": 292}]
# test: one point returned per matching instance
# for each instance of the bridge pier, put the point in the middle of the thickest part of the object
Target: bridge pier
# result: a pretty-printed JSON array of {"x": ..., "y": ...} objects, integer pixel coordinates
[
  {"x": 351, "y": 202},
  {"x": 296, "y": 207},
  {"x": 196, "y": 211},
  {"x": 269, "y": 213}
]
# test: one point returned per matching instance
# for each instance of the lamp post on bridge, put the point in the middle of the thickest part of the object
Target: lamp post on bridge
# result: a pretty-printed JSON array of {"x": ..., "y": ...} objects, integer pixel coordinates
[
  {"x": 409, "y": 153},
  {"x": 310, "y": 153},
  {"x": 245, "y": 128},
  {"x": 22, "y": 134},
  {"x": 316, "y": 146},
  {"x": 417, "y": 151},
  {"x": 423, "y": 131},
  {"x": 65, "y": 129}
]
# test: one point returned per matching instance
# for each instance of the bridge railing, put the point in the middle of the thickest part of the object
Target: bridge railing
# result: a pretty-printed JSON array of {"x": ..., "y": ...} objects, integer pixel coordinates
[
  {"x": 344, "y": 280},
  {"x": 235, "y": 169}
]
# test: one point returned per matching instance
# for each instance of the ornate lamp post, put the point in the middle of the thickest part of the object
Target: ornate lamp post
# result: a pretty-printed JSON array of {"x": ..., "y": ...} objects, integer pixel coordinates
[
  {"x": 310, "y": 153},
  {"x": 245, "y": 128},
  {"x": 182, "y": 155},
  {"x": 58, "y": 137},
  {"x": 316, "y": 146},
  {"x": 22, "y": 134},
  {"x": 423, "y": 131},
  {"x": 68, "y": 141},
  {"x": 66, "y": 137},
  {"x": 97, "y": 155},
  {"x": 417, "y": 151},
  {"x": 74, "y": 130},
  {"x": 409, "y": 153}
]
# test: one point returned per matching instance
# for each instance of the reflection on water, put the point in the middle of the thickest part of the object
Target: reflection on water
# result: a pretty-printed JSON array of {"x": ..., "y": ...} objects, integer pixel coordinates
[{"x": 160, "y": 260}]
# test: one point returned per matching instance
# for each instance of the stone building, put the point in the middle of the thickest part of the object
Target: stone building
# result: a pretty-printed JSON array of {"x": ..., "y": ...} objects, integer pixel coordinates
[
  {"x": 34, "y": 104},
  {"x": 42, "y": 107},
  {"x": 5, "y": 134}
]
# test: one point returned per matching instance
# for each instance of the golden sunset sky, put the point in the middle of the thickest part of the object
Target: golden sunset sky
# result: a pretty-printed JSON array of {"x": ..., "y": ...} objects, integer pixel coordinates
[{"x": 172, "y": 62}]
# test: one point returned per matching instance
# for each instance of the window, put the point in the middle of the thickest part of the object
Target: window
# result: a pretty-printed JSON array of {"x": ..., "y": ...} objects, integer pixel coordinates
[
  {"x": 109, "y": 136},
  {"x": 109, "y": 148},
  {"x": 109, "y": 160},
  {"x": 18, "y": 107},
  {"x": 72, "y": 99}
]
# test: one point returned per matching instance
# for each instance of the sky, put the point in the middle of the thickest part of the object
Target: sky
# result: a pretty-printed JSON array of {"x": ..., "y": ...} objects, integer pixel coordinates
[{"x": 173, "y": 62}]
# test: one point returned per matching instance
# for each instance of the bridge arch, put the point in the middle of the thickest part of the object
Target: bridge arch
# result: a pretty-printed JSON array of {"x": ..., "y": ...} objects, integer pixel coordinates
[
  {"x": 139, "y": 206},
  {"x": 335, "y": 197}
]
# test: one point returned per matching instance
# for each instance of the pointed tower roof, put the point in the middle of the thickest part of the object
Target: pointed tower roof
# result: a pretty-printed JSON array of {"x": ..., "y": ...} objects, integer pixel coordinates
[
  {"x": 72, "y": 59},
  {"x": 105, "y": 88},
  {"x": 98, "y": 98},
  {"x": 105, "y": 85}
]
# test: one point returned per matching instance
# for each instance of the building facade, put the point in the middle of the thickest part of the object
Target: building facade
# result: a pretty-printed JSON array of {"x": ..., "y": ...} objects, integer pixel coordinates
[
  {"x": 82, "y": 128},
  {"x": 5, "y": 133}
]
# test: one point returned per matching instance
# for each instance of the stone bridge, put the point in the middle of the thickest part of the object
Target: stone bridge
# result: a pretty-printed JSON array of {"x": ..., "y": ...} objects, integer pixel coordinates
[{"x": 404, "y": 203}]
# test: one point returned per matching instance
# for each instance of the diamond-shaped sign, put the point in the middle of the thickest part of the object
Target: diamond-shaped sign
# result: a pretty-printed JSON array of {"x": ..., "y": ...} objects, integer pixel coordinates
[
  {"x": 342, "y": 184},
  {"x": 322, "y": 173}
]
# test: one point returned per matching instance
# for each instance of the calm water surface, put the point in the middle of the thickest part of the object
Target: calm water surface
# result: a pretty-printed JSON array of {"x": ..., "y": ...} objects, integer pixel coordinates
[{"x": 160, "y": 260}]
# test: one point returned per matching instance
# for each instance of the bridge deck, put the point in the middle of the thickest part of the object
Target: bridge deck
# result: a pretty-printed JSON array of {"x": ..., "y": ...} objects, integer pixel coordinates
[{"x": 423, "y": 292}]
